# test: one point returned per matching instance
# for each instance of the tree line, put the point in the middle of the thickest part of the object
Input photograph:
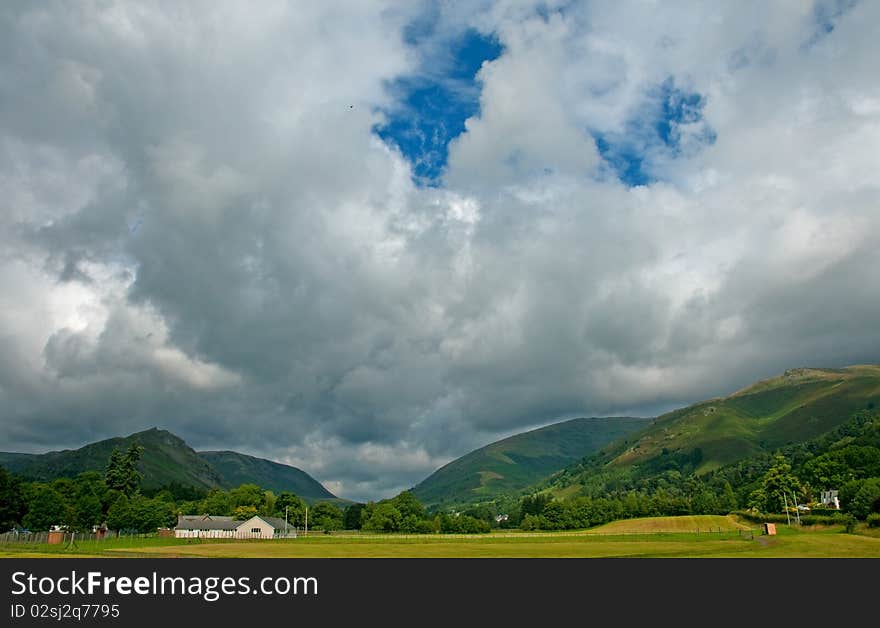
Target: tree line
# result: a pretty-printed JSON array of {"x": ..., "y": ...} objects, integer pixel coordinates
[{"x": 404, "y": 513}]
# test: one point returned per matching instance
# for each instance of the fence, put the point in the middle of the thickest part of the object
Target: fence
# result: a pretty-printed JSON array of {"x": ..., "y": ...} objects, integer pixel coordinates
[
  {"x": 63, "y": 538},
  {"x": 710, "y": 532}
]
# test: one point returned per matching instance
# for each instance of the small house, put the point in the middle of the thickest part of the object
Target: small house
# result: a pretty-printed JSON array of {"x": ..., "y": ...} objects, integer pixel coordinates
[{"x": 222, "y": 527}]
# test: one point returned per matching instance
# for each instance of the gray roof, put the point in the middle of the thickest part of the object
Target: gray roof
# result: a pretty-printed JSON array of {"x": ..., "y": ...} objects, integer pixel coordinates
[
  {"x": 276, "y": 522},
  {"x": 206, "y": 522}
]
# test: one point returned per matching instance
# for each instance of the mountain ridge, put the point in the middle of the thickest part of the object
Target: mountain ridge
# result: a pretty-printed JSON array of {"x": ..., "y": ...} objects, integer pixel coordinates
[
  {"x": 168, "y": 458},
  {"x": 796, "y": 406},
  {"x": 511, "y": 464},
  {"x": 236, "y": 468}
]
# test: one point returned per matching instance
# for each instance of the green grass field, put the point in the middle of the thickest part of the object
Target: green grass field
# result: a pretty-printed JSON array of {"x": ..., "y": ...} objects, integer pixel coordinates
[{"x": 660, "y": 537}]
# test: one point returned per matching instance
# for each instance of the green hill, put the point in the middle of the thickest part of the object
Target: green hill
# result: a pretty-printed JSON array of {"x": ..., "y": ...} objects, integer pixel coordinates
[
  {"x": 512, "y": 464},
  {"x": 168, "y": 459},
  {"x": 793, "y": 408},
  {"x": 236, "y": 469}
]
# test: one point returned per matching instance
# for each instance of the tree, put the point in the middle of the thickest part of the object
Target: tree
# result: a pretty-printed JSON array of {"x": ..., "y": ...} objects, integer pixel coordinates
[
  {"x": 122, "y": 474},
  {"x": 12, "y": 504},
  {"x": 164, "y": 495},
  {"x": 779, "y": 485},
  {"x": 554, "y": 515},
  {"x": 85, "y": 513},
  {"x": 296, "y": 508},
  {"x": 190, "y": 508},
  {"x": 119, "y": 516},
  {"x": 243, "y": 513},
  {"x": 866, "y": 498},
  {"x": 140, "y": 514},
  {"x": 410, "y": 524},
  {"x": 533, "y": 522},
  {"x": 326, "y": 516},
  {"x": 268, "y": 507},
  {"x": 179, "y": 492},
  {"x": 705, "y": 503},
  {"x": 113, "y": 474},
  {"x": 465, "y": 524},
  {"x": 481, "y": 511},
  {"x": 757, "y": 499},
  {"x": 727, "y": 500},
  {"x": 149, "y": 514},
  {"x": 247, "y": 495},
  {"x": 217, "y": 502},
  {"x": 351, "y": 519},
  {"x": 534, "y": 505},
  {"x": 472, "y": 525},
  {"x": 408, "y": 505},
  {"x": 827, "y": 471},
  {"x": 46, "y": 509},
  {"x": 382, "y": 517},
  {"x": 85, "y": 496}
]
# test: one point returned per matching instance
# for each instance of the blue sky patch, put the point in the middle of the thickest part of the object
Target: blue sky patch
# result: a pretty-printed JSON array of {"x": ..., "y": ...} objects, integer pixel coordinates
[
  {"x": 624, "y": 159},
  {"x": 432, "y": 106},
  {"x": 669, "y": 124}
]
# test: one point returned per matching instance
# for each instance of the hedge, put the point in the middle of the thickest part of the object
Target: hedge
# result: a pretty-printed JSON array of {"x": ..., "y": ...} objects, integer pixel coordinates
[{"x": 806, "y": 520}]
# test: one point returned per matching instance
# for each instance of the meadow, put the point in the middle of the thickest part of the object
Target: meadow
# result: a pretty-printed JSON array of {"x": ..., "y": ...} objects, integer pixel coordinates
[{"x": 656, "y": 537}]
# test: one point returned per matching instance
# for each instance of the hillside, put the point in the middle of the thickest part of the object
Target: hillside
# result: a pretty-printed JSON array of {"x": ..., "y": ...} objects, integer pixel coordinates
[
  {"x": 167, "y": 458},
  {"x": 236, "y": 469},
  {"x": 512, "y": 464},
  {"x": 792, "y": 408}
]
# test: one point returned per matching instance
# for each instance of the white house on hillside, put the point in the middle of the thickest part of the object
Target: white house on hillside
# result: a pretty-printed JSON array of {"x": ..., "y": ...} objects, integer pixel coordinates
[{"x": 217, "y": 527}]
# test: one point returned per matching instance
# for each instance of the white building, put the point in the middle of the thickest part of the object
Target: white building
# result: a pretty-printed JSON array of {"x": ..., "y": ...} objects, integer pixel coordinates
[
  {"x": 829, "y": 499},
  {"x": 219, "y": 527}
]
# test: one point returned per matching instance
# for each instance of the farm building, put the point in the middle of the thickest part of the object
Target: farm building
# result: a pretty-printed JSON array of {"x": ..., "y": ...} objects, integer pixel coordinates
[{"x": 218, "y": 527}]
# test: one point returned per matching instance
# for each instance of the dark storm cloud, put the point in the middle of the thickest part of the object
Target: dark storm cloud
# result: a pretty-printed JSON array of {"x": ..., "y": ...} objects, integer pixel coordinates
[{"x": 203, "y": 234}]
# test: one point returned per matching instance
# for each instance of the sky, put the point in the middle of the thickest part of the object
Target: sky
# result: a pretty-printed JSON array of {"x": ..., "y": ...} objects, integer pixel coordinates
[{"x": 366, "y": 238}]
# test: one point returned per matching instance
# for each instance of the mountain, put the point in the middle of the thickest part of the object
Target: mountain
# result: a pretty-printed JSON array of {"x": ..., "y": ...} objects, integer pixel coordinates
[
  {"x": 512, "y": 464},
  {"x": 236, "y": 469},
  {"x": 167, "y": 458},
  {"x": 795, "y": 407}
]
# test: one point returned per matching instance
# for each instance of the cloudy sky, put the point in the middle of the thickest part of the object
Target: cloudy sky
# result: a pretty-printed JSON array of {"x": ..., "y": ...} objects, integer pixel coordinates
[{"x": 364, "y": 238}]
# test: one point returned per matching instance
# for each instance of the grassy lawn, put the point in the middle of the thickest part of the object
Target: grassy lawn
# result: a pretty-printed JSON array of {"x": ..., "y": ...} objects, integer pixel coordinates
[
  {"x": 693, "y": 523},
  {"x": 659, "y": 537},
  {"x": 86, "y": 548}
]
